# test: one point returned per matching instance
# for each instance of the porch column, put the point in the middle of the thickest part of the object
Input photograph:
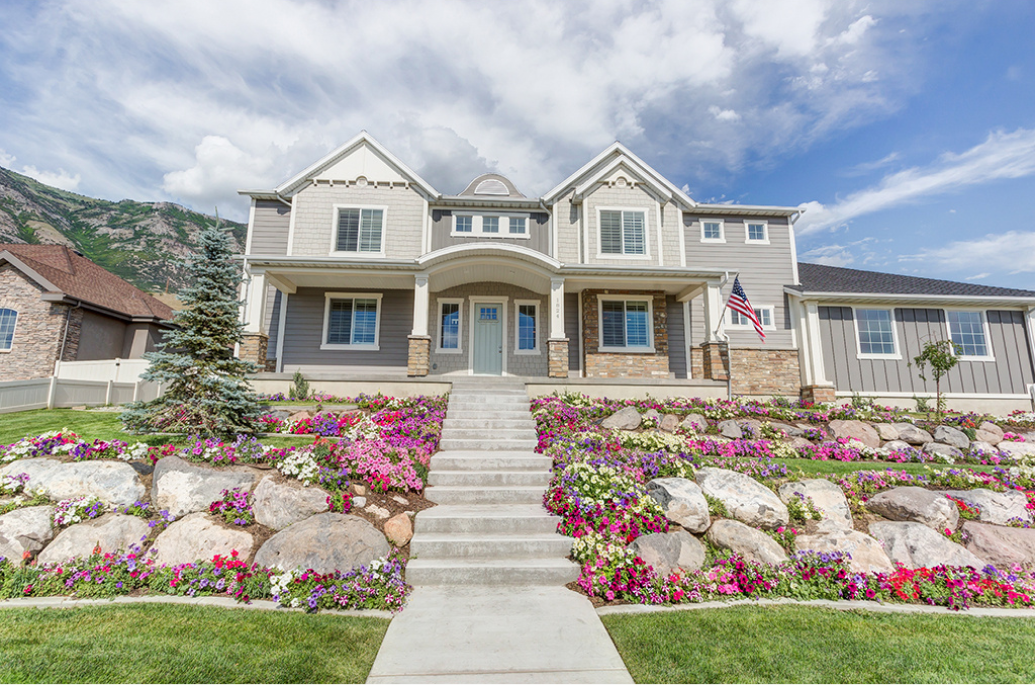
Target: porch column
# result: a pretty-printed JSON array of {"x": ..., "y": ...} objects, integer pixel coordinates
[
  {"x": 819, "y": 389},
  {"x": 255, "y": 339},
  {"x": 419, "y": 353},
  {"x": 714, "y": 351},
  {"x": 557, "y": 344}
]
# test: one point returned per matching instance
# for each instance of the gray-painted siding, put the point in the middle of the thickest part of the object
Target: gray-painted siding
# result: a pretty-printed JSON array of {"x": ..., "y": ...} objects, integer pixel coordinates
[
  {"x": 1010, "y": 373},
  {"x": 676, "y": 337},
  {"x": 270, "y": 229},
  {"x": 571, "y": 331},
  {"x": 274, "y": 325},
  {"x": 538, "y": 228}
]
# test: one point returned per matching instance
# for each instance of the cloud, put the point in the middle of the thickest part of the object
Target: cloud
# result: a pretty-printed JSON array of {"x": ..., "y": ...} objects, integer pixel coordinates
[
  {"x": 59, "y": 179},
  {"x": 867, "y": 167},
  {"x": 997, "y": 253},
  {"x": 220, "y": 169},
  {"x": 1001, "y": 156},
  {"x": 829, "y": 255},
  {"x": 978, "y": 277},
  {"x": 724, "y": 114}
]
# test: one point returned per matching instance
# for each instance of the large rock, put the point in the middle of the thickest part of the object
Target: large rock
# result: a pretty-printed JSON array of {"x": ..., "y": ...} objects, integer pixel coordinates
[
  {"x": 682, "y": 501},
  {"x": 652, "y": 415},
  {"x": 399, "y": 530},
  {"x": 887, "y": 431},
  {"x": 25, "y": 530},
  {"x": 1016, "y": 449},
  {"x": 730, "y": 429},
  {"x": 114, "y": 482},
  {"x": 111, "y": 532},
  {"x": 909, "y": 503},
  {"x": 826, "y": 496},
  {"x": 278, "y": 505},
  {"x": 694, "y": 422},
  {"x": 859, "y": 430},
  {"x": 989, "y": 432},
  {"x": 943, "y": 452},
  {"x": 669, "y": 423},
  {"x": 907, "y": 432},
  {"x": 798, "y": 443},
  {"x": 182, "y": 488},
  {"x": 744, "y": 497},
  {"x": 788, "y": 430},
  {"x": 626, "y": 419},
  {"x": 996, "y": 507},
  {"x": 196, "y": 537},
  {"x": 1000, "y": 546},
  {"x": 951, "y": 436},
  {"x": 867, "y": 555},
  {"x": 751, "y": 428},
  {"x": 914, "y": 545},
  {"x": 896, "y": 446},
  {"x": 752, "y": 544},
  {"x": 982, "y": 447},
  {"x": 667, "y": 552},
  {"x": 324, "y": 543}
]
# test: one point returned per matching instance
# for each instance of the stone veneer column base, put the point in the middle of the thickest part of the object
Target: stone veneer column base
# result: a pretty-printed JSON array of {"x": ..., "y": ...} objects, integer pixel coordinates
[
  {"x": 254, "y": 347},
  {"x": 557, "y": 350},
  {"x": 716, "y": 358},
  {"x": 818, "y": 394},
  {"x": 418, "y": 362}
]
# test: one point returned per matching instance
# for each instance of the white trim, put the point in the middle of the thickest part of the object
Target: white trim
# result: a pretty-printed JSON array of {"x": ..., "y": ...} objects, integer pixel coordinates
[
  {"x": 477, "y": 225},
  {"x": 425, "y": 238},
  {"x": 517, "y": 326},
  {"x": 722, "y": 230},
  {"x": 897, "y": 355},
  {"x": 990, "y": 357},
  {"x": 324, "y": 345},
  {"x": 336, "y": 218},
  {"x": 682, "y": 239},
  {"x": 687, "y": 342},
  {"x": 901, "y": 300},
  {"x": 281, "y": 324},
  {"x": 601, "y": 298},
  {"x": 794, "y": 253},
  {"x": 291, "y": 230},
  {"x": 584, "y": 224},
  {"x": 623, "y": 255},
  {"x": 948, "y": 395},
  {"x": 747, "y": 232},
  {"x": 582, "y": 341},
  {"x": 661, "y": 253},
  {"x": 502, "y": 301},
  {"x": 750, "y": 327},
  {"x": 13, "y": 330},
  {"x": 251, "y": 228},
  {"x": 460, "y": 326}
]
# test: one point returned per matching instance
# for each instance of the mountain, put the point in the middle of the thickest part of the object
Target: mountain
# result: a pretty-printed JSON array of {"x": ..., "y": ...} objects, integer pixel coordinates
[{"x": 140, "y": 241}]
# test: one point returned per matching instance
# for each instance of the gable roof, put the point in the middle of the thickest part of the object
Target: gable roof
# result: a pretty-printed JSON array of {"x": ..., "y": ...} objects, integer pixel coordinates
[
  {"x": 818, "y": 278},
  {"x": 61, "y": 271}
]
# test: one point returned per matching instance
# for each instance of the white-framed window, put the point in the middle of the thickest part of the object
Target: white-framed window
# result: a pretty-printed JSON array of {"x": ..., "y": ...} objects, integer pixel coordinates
[
  {"x": 756, "y": 232},
  {"x": 765, "y": 317},
  {"x": 359, "y": 230},
  {"x": 450, "y": 326},
  {"x": 969, "y": 330},
  {"x": 490, "y": 224},
  {"x": 8, "y": 322},
  {"x": 526, "y": 327},
  {"x": 623, "y": 232},
  {"x": 518, "y": 225},
  {"x": 468, "y": 224},
  {"x": 875, "y": 334},
  {"x": 626, "y": 323},
  {"x": 713, "y": 231},
  {"x": 351, "y": 321},
  {"x": 463, "y": 223}
]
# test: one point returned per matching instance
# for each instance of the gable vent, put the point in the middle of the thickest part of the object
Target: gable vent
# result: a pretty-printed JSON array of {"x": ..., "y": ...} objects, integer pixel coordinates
[{"x": 491, "y": 186}]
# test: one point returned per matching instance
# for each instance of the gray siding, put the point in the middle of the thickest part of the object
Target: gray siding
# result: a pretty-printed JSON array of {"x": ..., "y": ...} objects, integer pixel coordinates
[
  {"x": 676, "y": 337},
  {"x": 273, "y": 328},
  {"x": 270, "y": 229},
  {"x": 1010, "y": 373},
  {"x": 101, "y": 337},
  {"x": 538, "y": 228},
  {"x": 571, "y": 331}
]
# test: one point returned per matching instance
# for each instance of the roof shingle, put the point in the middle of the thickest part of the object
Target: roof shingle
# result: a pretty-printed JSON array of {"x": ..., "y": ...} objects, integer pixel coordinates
[{"x": 837, "y": 279}]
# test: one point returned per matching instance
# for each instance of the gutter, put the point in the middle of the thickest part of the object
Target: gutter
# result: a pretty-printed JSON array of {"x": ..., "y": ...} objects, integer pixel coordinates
[{"x": 1014, "y": 300}]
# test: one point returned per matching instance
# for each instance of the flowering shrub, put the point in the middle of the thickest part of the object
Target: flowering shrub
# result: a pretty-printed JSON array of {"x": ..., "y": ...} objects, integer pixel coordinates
[
  {"x": 802, "y": 509},
  {"x": 12, "y": 485},
  {"x": 34, "y": 499},
  {"x": 339, "y": 502},
  {"x": 244, "y": 449},
  {"x": 969, "y": 512},
  {"x": 143, "y": 510},
  {"x": 77, "y": 509},
  {"x": 377, "y": 586},
  {"x": 43, "y": 445},
  {"x": 234, "y": 507}
]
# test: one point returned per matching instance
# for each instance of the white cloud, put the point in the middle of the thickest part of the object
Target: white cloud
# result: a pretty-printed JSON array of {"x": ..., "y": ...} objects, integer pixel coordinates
[
  {"x": 829, "y": 255},
  {"x": 997, "y": 253},
  {"x": 59, "y": 179},
  {"x": 7, "y": 161},
  {"x": 978, "y": 277},
  {"x": 220, "y": 169},
  {"x": 724, "y": 114}
]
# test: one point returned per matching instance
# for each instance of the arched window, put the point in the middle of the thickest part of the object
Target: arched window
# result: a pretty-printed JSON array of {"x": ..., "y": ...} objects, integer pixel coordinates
[{"x": 8, "y": 319}]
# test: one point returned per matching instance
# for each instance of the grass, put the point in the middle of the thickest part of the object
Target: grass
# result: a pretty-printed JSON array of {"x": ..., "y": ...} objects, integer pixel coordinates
[
  {"x": 809, "y": 645},
  {"x": 186, "y": 644}
]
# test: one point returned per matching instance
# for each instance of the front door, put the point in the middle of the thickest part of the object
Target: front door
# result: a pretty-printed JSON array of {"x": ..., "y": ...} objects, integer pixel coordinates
[{"x": 488, "y": 338}]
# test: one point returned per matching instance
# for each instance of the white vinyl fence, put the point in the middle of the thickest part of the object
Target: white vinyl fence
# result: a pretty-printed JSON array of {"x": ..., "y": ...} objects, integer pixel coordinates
[{"x": 74, "y": 384}]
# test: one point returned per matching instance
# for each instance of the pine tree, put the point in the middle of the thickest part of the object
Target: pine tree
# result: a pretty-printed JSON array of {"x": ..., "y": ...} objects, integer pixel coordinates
[{"x": 206, "y": 391}]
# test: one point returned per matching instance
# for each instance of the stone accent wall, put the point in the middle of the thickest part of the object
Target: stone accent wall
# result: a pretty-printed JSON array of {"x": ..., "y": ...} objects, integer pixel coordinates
[
  {"x": 38, "y": 331},
  {"x": 696, "y": 362},
  {"x": 765, "y": 372},
  {"x": 75, "y": 333},
  {"x": 818, "y": 394},
  {"x": 418, "y": 363},
  {"x": 624, "y": 364},
  {"x": 254, "y": 347},
  {"x": 715, "y": 361},
  {"x": 558, "y": 357}
]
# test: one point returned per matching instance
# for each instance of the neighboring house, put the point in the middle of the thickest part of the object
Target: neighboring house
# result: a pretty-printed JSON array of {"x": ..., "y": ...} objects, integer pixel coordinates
[
  {"x": 358, "y": 266},
  {"x": 57, "y": 305}
]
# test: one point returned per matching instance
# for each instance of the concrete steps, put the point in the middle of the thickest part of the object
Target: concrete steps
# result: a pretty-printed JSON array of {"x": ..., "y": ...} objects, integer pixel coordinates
[
  {"x": 481, "y": 546},
  {"x": 460, "y": 519},
  {"x": 536, "y": 571},
  {"x": 461, "y": 460},
  {"x": 476, "y": 479},
  {"x": 506, "y": 494}
]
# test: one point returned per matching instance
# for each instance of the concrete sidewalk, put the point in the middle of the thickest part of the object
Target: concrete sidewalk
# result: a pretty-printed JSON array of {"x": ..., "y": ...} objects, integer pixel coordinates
[{"x": 479, "y": 634}]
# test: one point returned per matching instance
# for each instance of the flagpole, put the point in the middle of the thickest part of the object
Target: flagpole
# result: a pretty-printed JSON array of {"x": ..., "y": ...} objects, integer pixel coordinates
[{"x": 725, "y": 337}]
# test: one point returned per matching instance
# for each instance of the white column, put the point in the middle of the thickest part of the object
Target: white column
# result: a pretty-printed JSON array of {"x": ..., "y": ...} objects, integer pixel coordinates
[
  {"x": 420, "y": 305},
  {"x": 1030, "y": 320},
  {"x": 713, "y": 313},
  {"x": 815, "y": 342},
  {"x": 557, "y": 308},
  {"x": 255, "y": 305}
]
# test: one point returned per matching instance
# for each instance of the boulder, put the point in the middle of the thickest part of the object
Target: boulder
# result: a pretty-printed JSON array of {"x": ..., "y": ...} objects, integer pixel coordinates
[
  {"x": 951, "y": 436},
  {"x": 886, "y": 431},
  {"x": 682, "y": 501},
  {"x": 798, "y": 443},
  {"x": 896, "y": 446},
  {"x": 867, "y": 555},
  {"x": 181, "y": 487},
  {"x": 827, "y": 496},
  {"x": 1016, "y": 449},
  {"x": 399, "y": 529},
  {"x": 376, "y": 511},
  {"x": 278, "y": 505},
  {"x": 111, "y": 532},
  {"x": 301, "y": 415},
  {"x": 669, "y": 423},
  {"x": 114, "y": 482},
  {"x": 943, "y": 452},
  {"x": 752, "y": 544},
  {"x": 654, "y": 416},
  {"x": 788, "y": 430},
  {"x": 745, "y": 498},
  {"x": 196, "y": 537},
  {"x": 694, "y": 422},
  {"x": 859, "y": 430},
  {"x": 909, "y": 503},
  {"x": 982, "y": 447},
  {"x": 907, "y": 432},
  {"x": 730, "y": 429},
  {"x": 626, "y": 419},
  {"x": 667, "y": 552},
  {"x": 995, "y": 507},
  {"x": 25, "y": 530},
  {"x": 751, "y": 428},
  {"x": 1001, "y": 546},
  {"x": 324, "y": 543},
  {"x": 989, "y": 432},
  {"x": 914, "y": 545}
]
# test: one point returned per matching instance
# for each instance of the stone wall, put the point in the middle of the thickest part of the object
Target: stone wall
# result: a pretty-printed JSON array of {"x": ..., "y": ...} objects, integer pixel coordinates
[
  {"x": 254, "y": 347},
  {"x": 38, "y": 331},
  {"x": 765, "y": 372},
  {"x": 624, "y": 364},
  {"x": 418, "y": 362}
]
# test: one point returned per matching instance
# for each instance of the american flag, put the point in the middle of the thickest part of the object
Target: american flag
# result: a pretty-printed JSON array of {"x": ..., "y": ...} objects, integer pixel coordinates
[{"x": 739, "y": 303}]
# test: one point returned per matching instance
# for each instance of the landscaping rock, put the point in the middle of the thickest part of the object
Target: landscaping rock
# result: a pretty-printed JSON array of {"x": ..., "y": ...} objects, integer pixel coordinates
[
  {"x": 111, "y": 532},
  {"x": 867, "y": 554},
  {"x": 951, "y": 436},
  {"x": 324, "y": 543},
  {"x": 751, "y": 428},
  {"x": 752, "y": 544},
  {"x": 730, "y": 429},
  {"x": 789, "y": 430},
  {"x": 196, "y": 537},
  {"x": 25, "y": 530},
  {"x": 300, "y": 415},
  {"x": 376, "y": 511},
  {"x": 989, "y": 432},
  {"x": 278, "y": 505},
  {"x": 914, "y": 545},
  {"x": 907, "y": 432},
  {"x": 653, "y": 415},
  {"x": 626, "y": 419},
  {"x": 114, "y": 482},
  {"x": 1016, "y": 449},
  {"x": 932, "y": 509},
  {"x": 744, "y": 497},
  {"x": 359, "y": 502},
  {"x": 1001, "y": 546},
  {"x": 669, "y": 423},
  {"x": 667, "y": 552},
  {"x": 896, "y": 446},
  {"x": 182, "y": 488},
  {"x": 995, "y": 507},
  {"x": 943, "y": 452},
  {"x": 399, "y": 530},
  {"x": 694, "y": 422},
  {"x": 682, "y": 501},
  {"x": 859, "y": 430},
  {"x": 886, "y": 431},
  {"x": 798, "y": 443},
  {"x": 828, "y": 498},
  {"x": 982, "y": 447}
]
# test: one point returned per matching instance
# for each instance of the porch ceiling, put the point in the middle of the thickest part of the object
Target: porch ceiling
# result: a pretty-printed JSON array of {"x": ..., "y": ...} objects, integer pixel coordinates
[
  {"x": 492, "y": 272},
  {"x": 326, "y": 278}
]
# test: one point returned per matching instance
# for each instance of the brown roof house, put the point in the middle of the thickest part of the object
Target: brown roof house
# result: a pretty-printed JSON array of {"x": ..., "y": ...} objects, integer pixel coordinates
[{"x": 56, "y": 304}]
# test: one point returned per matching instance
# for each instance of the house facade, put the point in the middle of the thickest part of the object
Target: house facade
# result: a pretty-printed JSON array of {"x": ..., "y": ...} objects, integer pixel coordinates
[{"x": 358, "y": 266}]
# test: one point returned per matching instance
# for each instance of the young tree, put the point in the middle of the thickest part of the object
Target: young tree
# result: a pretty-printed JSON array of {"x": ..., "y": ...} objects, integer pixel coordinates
[
  {"x": 941, "y": 356},
  {"x": 206, "y": 391}
]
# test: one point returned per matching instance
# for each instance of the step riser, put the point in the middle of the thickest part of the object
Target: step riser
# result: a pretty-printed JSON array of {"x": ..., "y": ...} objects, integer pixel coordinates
[
  {"x": 485, "y": 526},
  {"x": 490, "y": 576},
  {"x": 443, "y": 462},
  {"x": 486, "y": 445},
  {"x": 489, "y": 405},
  {"x": 477, "y": 479},
  {"x": 497, "y": 549},
  {"x": 442, "y": 495},
  {"x": 489, "y": 424},
  {"x": 498, "y": 434},
  {"x": 483, "y": 414},
  {"x": 489, "y": 392}
]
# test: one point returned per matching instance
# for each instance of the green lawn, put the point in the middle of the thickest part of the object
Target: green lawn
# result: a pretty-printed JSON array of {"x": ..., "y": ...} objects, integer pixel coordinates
[
  {"x": 810, "y": 645},
  {"x": 170, "y": 644}
]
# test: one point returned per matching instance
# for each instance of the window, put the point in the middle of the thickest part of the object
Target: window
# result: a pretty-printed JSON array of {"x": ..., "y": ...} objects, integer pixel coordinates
[
  {"x": 351, "y": 320},
  {"x": 490, "y": 224},
  {"x": 493, "y": 226},
  {"x": 967, "y": 329},
  {"x": 527, "y": 333},
  {"x": 712, "y": 231},
  {"x": 449, "y": 326},
  {"x": 876, "y": 332},
  {"x": 518, "y": 225},
  {"x": 8, "y": 319},
  {"x": 464, "y": 224},
  {"x": 626, "y": 324},
  {"x": 757, "y": 232},
  {"x": 623, "y": 232},
  {"x": 360, "y": 230},
  {"x": 764, "y": 314}
]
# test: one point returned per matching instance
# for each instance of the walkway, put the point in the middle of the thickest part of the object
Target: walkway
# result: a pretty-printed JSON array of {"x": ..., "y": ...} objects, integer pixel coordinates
[{"x": 488, "y": 569}]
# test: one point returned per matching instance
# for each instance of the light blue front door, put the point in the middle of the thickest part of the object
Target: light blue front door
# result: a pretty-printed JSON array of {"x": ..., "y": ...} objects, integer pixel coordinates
[{"x": 488, "y": 339}]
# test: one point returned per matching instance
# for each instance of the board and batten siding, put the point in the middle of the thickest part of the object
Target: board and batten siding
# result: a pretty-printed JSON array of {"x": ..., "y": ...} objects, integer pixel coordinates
[
  {"x": 304, "y": 327},
  {"x": 1010, "y": 373},
  {"x": 676, "y": 337},
  {"x": 539, "y": 238},
  {"x": 270, "y": 228}
]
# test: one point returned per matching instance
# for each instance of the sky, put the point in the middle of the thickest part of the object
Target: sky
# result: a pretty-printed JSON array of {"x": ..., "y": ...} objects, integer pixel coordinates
[{"x": 904, "y": 129}]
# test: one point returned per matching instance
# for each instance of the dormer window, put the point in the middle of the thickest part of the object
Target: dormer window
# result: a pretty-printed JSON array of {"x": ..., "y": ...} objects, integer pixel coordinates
[
  {"x": 359, "y": 230},
  {"x": 490, "y": 225},
  {"x": 623, "y": 232}
]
